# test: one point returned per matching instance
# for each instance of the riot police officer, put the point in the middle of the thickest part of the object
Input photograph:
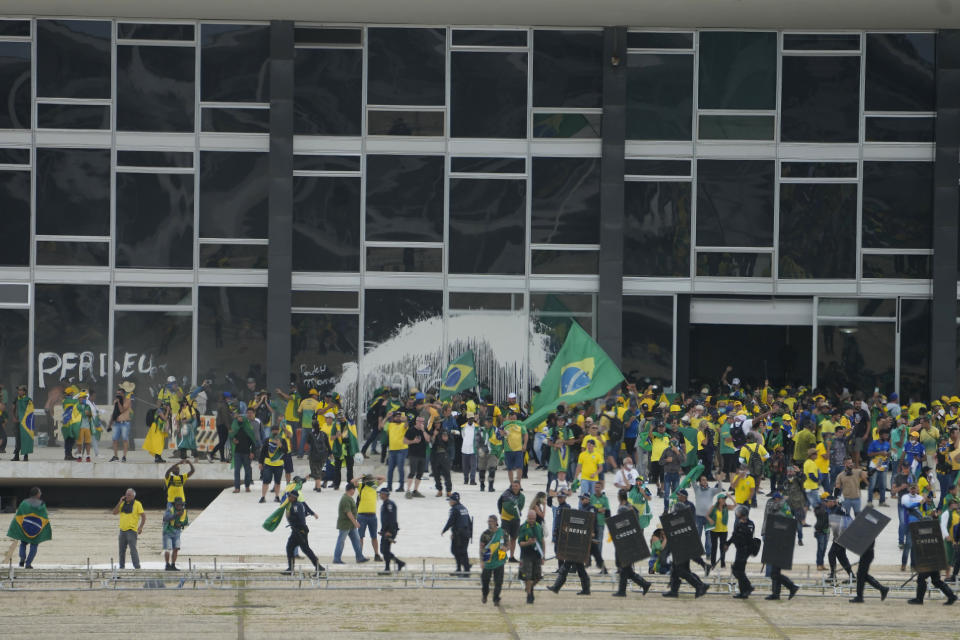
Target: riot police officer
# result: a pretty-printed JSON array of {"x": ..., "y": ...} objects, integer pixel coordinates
[{"x": 460, "y": 525}]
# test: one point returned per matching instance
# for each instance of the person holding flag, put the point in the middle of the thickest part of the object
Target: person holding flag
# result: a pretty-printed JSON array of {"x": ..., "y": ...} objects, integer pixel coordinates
[
  {"x": 297, "y": 511},
  {"x": 70, "y": 426},
  {"x": 23, "y": 413},
  {"x": 493, "y": 557},
  {"x": 156, "y": 439},
  {"x": 271, "y": 463},
  {"x": 344, "y": 445},
  {"x": 243, "y": 445},
  {"x": 461, "y": 374},
  {"x": 31, "y": 526}
]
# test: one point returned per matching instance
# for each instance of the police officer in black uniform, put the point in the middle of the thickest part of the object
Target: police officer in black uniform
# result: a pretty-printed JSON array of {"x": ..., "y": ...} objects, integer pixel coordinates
[
  {"x": 460, "y": 525},
  {"x": 742, "y": 539},
  {"x": 297, "y": 513},
  {"x": 568, "y": 566},
  {"x": 681, "y": 570}
]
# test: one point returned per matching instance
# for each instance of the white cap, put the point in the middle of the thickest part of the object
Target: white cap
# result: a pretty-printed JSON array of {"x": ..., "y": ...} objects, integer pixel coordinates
[
  {"x": 172, "y": 379},
  {"x": 736, "y": 381},
  {"x": 511, "y": 395},
  {"x": 329, "y": 414}
]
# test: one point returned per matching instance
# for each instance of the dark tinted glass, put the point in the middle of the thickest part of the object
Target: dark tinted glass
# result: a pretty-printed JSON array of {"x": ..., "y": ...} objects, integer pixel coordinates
[
  {"x": 388, "y": 311},
  {"x": 326, "y": 299},
  {"x": 326, "y": 163},
  {"x": 405, "y": 123},
  {"x": 233, "y": 194},
  {"x": 15, "y": 205},
  {"x": 656, "y": 239},
  {"x": 736, "y": 127},
  {"x": 14, "y": 352},
  {"x": 73, "y": 116},
  {"x": 898, "y": 205},
  {"x": 155, "y": 88},
  {"x": 406, "y": 66},
  {"x": 566, "y": 125},
  {"x": 15, "y": 85},
  {"x": 664, "y": 40},
  {"x": 14, "y": 156},
  {"x": 735, "y": 203},
  {"x": 856, "y": 356},
  {"x": 914, "y": 348},
  {"x": 405, "y": 198},
  {"x": 327, "y": 92},
  {"x": 738, "y": 70},
  {"x": 232, "y": 337},
  {"x": 154, "y": 220},
  {"x": 320, "y": 346},
  {"x": 488, "y": 95},
  {"x": 734, "y": 265},
  {"x": 154, "y": 295},
  {"x": 15, "y": 28},
  {"x": 820, "y": 99},
  {"x": 488, "y": 165},
  {"x": 821, "y": 41},
  {"x": 73, "y": 58},
  {"x": 567, "y": 68},
  {"x": 659, "y": 96},
  {"x": 862, "y": 307},
  {"x": 818, "y": 169},
  {"x": 491, "y": 301},
  {"x": 233, "y": 120},
  {"x": 900, "y": 72},
  {"x": 489, "y": 38},
  {"x": 647, "y": 340},
  {"x": 897, "y": 266},
  {"x": 566, "y": 201},
  {"x": 135, "y": 31},
  {"x": 561, "y": 303},
  {"x": 81, "y": 254},
  {"x": 818, "y": 230},
  {"x": 487, "y": 222},
  {"x": 657, "y": 168},
  {"x": 326, "y": 224},
  {"x": 565, "y": 262},
  {"x": 404, "y": 259},
  {"x": 899, "y": 129},
  {"x": 323, "y": 35},
  {"x": 73, "y": 192},
  {"x": 233, "y": 256},
  {"x": 154, "y": 159},
  {"x": 76, "y": 356},
  {"x": 233, "y": 62}
]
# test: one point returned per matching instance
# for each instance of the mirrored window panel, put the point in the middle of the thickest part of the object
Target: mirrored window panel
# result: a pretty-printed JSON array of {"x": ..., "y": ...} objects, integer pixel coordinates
[
  {"x": 736, "y": 127},
  {"x": 735, "y": 203},
  {"x": 566, "y": 201},
  {"x": 488, "y": 165},
  {"x": 326, "y": 224},
  {"x": 154, "y": 295},
  {"x": 821, "y": 41},
  {"x": 897, "y": 266},
  {"x": 559, "y": 261},
  {"x": 178, "y": 159},
  {"x": 820, "y": 99},
  {"x": 487, "y": 222},
  {"x": 487, "y": 301},
  {"x": 647, "y": 340},
  {"x": 235, "y": 120},
  {"x": 233, "y": 194},
  {"x": 898, "y": 205},
  {"x": 915, "y": 348},
  {"x": 405, "y": 259},
  {"x": 154, "y": 31},
  {"x": 327, "y": 36},
  {"x": 881, "y": 129},
  {"x": 818, "y": 230},
  {"x": 489, "y": 38},
  {"x": 154, "y": 220},
  {"x": 659, "y": 96},
  {"x": 734, "y": 265},
  {"x": 818, "y": 169},
  {"x": 79, "y": 254},
  {"x": 14, "y": 352},
  {"x": 656, "y": 239},
  {"x": 73, "y": 116},
  {"x": 326, "y": 299},
  {"x": 405, "y": 198},
  {"x": 567, "y": 125},
  {"x": 16, "y": 28},
  {"x": 488, "y": 94},
  {"x": 404, "y": 123},
  {"x": 326, "y": 163},
  {"x": 15, "y": 85},
  {"x": 15, "y": 205},
  {"x": 858, "y": 307},
  {"x": 234, "y": 62},
  {"x": 900, "y": 72},
  {"x": 659, "y": 40},
  {"x": 233, "y": 256},
  {"x": 155, "y": 88},
  {"x": 567, "y": 68},
  {"x": 406, "y": 66},
  {"x": 392, "y": 317},
  {"x": 73, "y": 58},
  {"x": 855, "y": 355},
  {"x": 738, "y": 70},
  {"x": 324, "y": 348},
  {"x": 641, "y": 167},
  {"x": 73, "y": 192},
  {"x": 327, "y": 92},
  {"x": 232, "y": 338}
]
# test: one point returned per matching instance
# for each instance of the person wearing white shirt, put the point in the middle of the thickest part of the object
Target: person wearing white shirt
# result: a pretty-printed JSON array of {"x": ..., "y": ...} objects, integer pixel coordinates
[
  {"x": 468, "y": 451},
  {"x": 626, "y": 476}
]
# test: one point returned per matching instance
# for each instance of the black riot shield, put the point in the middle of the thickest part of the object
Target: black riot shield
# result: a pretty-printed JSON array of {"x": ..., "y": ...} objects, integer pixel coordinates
[
  {"x": 576, "y": 533},
  {"x": 682, "y": 539},
  {"x": 778, "y": 542},
  {"x": 863, "y": 531},
  {"x": 627, "y": 539},
  {"x": 929, "y": 553}
]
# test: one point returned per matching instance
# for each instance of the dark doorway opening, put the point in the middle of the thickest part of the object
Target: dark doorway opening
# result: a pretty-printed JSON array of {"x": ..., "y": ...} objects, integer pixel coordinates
[{"x": 781, "y": 354}]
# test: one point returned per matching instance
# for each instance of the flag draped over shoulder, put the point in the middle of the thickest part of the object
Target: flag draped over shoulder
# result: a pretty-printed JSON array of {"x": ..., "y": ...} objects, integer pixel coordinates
[
  {"x": 493, "y": 554},
  {"x": 26, "y": 425},
  {"x": 31, "y": 524},
  {"x": 460, "y": 374},
  {"x": 274, "y": 519},
  {"x": 581, "y": 371}
]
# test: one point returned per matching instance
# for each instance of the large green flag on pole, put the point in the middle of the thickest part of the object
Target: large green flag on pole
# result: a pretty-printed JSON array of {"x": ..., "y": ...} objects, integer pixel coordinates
[
  {"x": 581, "y": 371},
  {"x": 460, "y": 374}
]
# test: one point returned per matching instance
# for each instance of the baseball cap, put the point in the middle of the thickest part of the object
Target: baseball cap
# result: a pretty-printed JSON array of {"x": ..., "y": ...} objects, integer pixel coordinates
[
  {"x": 455, "y": 496},
  {"x": 511, "y": 395},
  {"x": 384, "y": 490}
]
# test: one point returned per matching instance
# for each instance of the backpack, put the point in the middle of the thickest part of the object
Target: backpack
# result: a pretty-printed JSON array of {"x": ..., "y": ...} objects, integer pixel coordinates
[
  {"x": 150, "y": 415},
  {"x": 738, "y": 436},
  {"x": 263, "y": 413},
  {"x": 755, "y": 463},
  {"x": 614, "y": 428}
]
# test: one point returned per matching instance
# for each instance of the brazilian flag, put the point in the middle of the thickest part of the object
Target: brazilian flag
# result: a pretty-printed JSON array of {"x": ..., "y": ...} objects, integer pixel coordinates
[
  {"x": 25, "y": 409},
  {"x": 31, "y": 524},
  {"x": 274, "y": 519},
  {"x": 460, "y": 374}
]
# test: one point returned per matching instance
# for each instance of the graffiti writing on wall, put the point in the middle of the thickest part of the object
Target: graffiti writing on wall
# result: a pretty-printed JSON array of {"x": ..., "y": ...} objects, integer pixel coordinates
[
  {"x": 85, "y": 366},
  {"x": 315, "y": 375}
]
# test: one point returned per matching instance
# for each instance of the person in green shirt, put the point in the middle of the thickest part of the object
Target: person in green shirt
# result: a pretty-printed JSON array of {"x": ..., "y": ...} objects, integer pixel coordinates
[
  {"x": 492, "y": 557},
  {"x": 729, "y": 454},
  {"x": 600, "y": 502},
  {"x": 175, "y": 521},
  {"x": 347, "y": 526},
  {"x": 530, "y": 540}
]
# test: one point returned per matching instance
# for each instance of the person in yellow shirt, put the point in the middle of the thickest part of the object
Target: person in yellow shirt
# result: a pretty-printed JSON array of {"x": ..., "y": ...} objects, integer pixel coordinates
[
  {"x": 309, "y": 406},
  {"x": 588, "y": 467},
  {"x": 396, "y": 447},
  {"x": 132, "y": 519},
  {"x": 744, "y": 487},
  {"x": 659, "y": 442},
  {"x": 174, "y": 481},
  {"x": 811, "y": 478}
]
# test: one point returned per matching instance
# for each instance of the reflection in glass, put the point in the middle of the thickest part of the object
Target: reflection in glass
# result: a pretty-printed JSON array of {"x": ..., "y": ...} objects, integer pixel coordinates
[
  {"x": 405, "y": 123},
  {"x": 233, "y": 194},
  {"x": 659, "y": 96},
  {"x": 900, "y": 72},
  {"x": 183, "y": 159},
  {"x": 566, "y": 125},
  {"x": 154, "y": 295},
  {"x": 551, "y": 316},
  {"x": 854, "y": 307},
  {"x": 898, "y": 205},
  {"x": 738, "y": 70},
  {"x": 487, "y": 222},
  {"x": 73, "y": 58},
  {"x": 818, "y": 230},
  {"x": 73, "y": 116},
  {"x": 325, "y": 299},
  {"x": 232, "y": 337},
  {"x": 488, "y": 95},
  {"x": 820, "y": 99},
  {"x": 818, "y": 169},
  {"x": 323, "y": 347},
  {"x": 488, "y": 165},
  {"x": 659, "y": 40},
  {"x": 155, "y": 88},
  {"x": 487, "y": 301},
  {"x": 388, "y": 312},
  {"x": 406, "y": 66},
  {"x": 855, "y": 355},
  {"x": 734, "y": 265},
  {"x": 736, "y": 127},
  {"x": 19, "y": 28},
  {"x": 408, "y": 259},
  {"x": 14, "y": 156},
  {"x": 327, "y": 92},
  {"x": 898, "y": 266},
  {"x": 821, "y": 41},
  {"x": 879, "y": 129},
  {"x": 234, "y": 62},
  {"x": 327, "y": 35},
  {"x": 656, "y": 239},
  {"x": 235, "y": 120},
  {"x": 154, "y": 220},
  {"x": 405, "y": 198},
  {"x": 70, "y": 341},
  {"x": 567, "y": 68},
  {"x": 80, "y": 254},
  {"x": 563, "y": 303},
  {"x": 326, "y": 224},
  {"x": 657, "y": 168},
  {"x": 14, "y": 355},
  {"x": 489, "y": 38},
  {"x": 648, "y": 340},
  {"x": 15, "y": 205},
  {"x": 326, "y": 163},
  {"x": 15, "y": 82},
  {"x": 154, "y": 31},
  {"x": 735, "y": 203},
  {"x": 914, "y": 348},
  {"x": 566, "y": 201},
  {"x": 73, "y": 192},
  {"x": 564, "y": 262},
  {"x": 233, "y": 256}
]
